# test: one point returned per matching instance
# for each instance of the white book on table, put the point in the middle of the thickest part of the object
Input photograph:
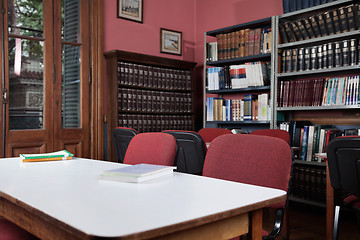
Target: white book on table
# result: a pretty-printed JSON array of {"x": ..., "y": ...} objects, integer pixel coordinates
[{"x": 137, "y": 173}]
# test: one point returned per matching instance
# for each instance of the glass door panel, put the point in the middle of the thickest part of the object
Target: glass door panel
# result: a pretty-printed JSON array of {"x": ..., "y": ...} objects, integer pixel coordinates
[{"x": 26, "y": 67}]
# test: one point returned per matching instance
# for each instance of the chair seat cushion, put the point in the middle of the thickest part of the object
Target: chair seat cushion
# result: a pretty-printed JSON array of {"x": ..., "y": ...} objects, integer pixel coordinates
[
  {"x": 10, "y": 231},
  {"x": 352, "y": 201}
]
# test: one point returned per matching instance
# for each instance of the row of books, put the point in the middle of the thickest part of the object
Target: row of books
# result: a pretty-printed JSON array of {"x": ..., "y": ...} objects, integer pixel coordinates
[
  {"x": 242, "y": 43},
  {"x": 319, "y": 92},
  {"x": 308, "y": 139},
  {"x": 309, "y": 182},
  {"x": 294, "y": 5},
  {"x": 251, "y": 74},
  {"x": 343, "y": 19},
  {"x": 132, "y": 74},
  {"x": 250, "y": 108},
  {"x": 154, "y": 101},
  {"x": 334, "y": 54},
  {"x": 155, "y": 123}
]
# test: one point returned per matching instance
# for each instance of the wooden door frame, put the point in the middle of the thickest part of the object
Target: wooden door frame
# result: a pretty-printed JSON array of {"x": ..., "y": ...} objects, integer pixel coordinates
[{"x": 97, "y": 83}]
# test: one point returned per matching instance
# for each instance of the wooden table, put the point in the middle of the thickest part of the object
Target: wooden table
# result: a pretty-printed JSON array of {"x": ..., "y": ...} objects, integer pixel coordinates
[{"x": 66, "y": 200}]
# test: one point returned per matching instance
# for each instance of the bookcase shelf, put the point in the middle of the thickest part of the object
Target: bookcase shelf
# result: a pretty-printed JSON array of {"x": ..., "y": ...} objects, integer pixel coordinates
[
  {"x": 253, "y": 58},
  {"x": 323, "y": 71},
  {"x": 292, "y": 81},
  {"x": 319, "y": 40},
  {"x": 239, "y": 93},
  {"x": 148, "y": 93},
  {"x": 318, "y": 108},
  {"x": 238, "y": 90},
  {"x": 240, "y": 122},
  {"x": 321, "y": 7}
]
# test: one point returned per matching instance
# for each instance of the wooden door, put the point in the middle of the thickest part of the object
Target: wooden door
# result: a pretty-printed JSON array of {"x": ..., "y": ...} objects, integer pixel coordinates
[{"x": 46, "y": 75}]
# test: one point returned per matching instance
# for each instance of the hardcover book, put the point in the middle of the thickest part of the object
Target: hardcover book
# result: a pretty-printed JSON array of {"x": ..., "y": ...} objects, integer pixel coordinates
[
  {"x": 59, "y": 155},
  {"x": 343, "y": 19},
  {"x": 137, "y": 173},
  {"x": 336, "y": 21}
]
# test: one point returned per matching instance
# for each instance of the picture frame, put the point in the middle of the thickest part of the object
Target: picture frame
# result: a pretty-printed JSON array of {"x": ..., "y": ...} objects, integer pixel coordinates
[
  {"x": 130, "y": 9},
  {"x": 170, "y": 41}
]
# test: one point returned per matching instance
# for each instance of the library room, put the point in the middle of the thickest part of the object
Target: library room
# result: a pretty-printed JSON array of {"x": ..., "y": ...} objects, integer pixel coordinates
[{"x": 180, "y": 119}]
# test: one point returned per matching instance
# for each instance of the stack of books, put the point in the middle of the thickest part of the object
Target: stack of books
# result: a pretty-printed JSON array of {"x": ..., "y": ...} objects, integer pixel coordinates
[{"x": 60, "y": 155}]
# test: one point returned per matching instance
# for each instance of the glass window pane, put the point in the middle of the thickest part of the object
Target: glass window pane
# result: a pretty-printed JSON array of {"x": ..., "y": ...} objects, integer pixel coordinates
[
  {"x": 25, "y": 83},
  {"x": 26, "y": 17},
  {"x": 70, "y": 86},
  {"x": 70, "y": 28}
]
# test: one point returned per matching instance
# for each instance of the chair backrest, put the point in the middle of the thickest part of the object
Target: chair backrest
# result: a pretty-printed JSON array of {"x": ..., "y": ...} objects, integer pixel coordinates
[
  {"x": 252, "y": 159},
  {"x": 153, "y": 148},
  {"x": 209, "y": 134},
  {"x": 191, "y": 151},
  {"x": 279, "y": 133},
  {"x": 343, "y": 156},
  {"x": 121, "y": 138}
]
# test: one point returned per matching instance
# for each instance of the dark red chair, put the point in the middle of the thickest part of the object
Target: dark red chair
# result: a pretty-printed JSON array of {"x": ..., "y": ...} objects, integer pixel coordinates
[
  {"x": 121, "y": 138},
  {"x": 209, "y": 134},
  {"x": 153, "y": 148},
  {"x": 191, "y": 151},
  {"x": 279, "y": 133},
  {"x": 252, "y": 159},
  {"x": 343, "y": 156},
  {"x": 10, "y": 231}
]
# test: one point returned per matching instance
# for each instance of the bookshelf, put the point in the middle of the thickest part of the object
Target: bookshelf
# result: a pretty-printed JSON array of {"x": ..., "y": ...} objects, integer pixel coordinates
[
  {"x": 229, "y": 53},
  {"x": 316, "y": 80},
  {"x": 148, "y": 93}
]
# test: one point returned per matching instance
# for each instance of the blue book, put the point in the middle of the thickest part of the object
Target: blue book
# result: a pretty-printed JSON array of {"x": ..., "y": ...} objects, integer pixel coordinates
[
  {"x": 228, "y": 109},
  {"x": 311, "y": 3},
  {"x": 304, "y": 143},
  {"x": 316, "y": 2},
  {"x": 323, "y": 1},
  {"x": 298, "y": 4},
  {"x": 286, "y": 6},
  {"x": 305, "y": 3},
  {"x": 292, "y": 5}
]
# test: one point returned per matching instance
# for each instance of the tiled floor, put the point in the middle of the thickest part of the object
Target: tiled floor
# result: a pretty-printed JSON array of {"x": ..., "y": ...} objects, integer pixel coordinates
[{"x": 308, "y": 223}]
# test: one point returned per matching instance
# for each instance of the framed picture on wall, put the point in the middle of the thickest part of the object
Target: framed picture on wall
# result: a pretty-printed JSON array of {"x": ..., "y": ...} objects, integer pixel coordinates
[
  {"x": 130, "y": 10},
  {"x": 170, "y": 41}
]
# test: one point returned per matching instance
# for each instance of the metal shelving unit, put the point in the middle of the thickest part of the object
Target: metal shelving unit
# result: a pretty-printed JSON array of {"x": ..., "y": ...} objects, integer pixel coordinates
[
  {"x": 289, "y": 112},
  {"x": 266, "y": 22}
]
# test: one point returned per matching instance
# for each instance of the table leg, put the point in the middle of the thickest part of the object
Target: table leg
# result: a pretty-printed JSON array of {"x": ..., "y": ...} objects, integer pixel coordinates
[
  {"x": 256, "y": 225},
  {"x": 329, "y": 206}
]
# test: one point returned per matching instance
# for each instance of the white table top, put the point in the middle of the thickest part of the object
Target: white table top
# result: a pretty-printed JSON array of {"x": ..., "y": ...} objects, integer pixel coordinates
[{"x": 71, "y": 192}]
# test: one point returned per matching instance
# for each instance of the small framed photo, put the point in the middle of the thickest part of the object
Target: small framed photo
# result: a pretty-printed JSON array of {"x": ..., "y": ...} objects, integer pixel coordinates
[
  {"x": 130, "y": 9},
  {"x": 170, "y": 41}
]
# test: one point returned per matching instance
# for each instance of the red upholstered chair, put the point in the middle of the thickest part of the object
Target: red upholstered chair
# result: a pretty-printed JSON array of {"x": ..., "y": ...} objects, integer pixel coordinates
[
  {"x": 121, "y": 137},
  {"x": 209, "y": 134},
  {"x": 279, "y": 133},
  {"x": 10, "y": 231},
  {"x": 191, "y": 151},
  {"x": 343, "y": 154},
  {"x": 153, "y": 148},
  {"x": 252, "y": 159}
]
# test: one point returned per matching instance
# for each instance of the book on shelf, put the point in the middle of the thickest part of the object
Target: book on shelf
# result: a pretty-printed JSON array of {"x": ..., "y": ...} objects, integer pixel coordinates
[
  {"x": 137, "y": 173},
  {"x": 251, "y": 74},
  {"x": 53, "y": 156},
  {"x": 343, "y": 20}
]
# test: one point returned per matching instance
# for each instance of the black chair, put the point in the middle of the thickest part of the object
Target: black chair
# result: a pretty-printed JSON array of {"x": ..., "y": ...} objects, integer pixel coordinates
[
  {"x": 121, "y": 137},
  {"x": 190, "y": 153},
  {"x": 343, "y": 156}
]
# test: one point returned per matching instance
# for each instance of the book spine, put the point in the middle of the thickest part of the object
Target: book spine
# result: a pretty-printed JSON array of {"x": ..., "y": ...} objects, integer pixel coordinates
[
  {"x": 302, "y": 29},
  {"x": 330, "y": 55},
  {"x": 307, "y": 58},
  {"x": 345, "y": 53},
  {"x": 325, "y": 56},
  {"x": 353, "y": 53},
  {"x": 338, "y": 55},
  {"x": 296, "y": 31},
  {"x": 309, "y": 28},
  {"x": 301, "y": 60},
  {"x": 343, "y": 19},
  {"x": 322, "y": 25},
  {"x": 351, "y": 17},
  {"x": 288, "y": 62},
  {"x": 329, "y": 23},
  {"x": 336, "y": 21},
  {"x": 315, "y": 26},
  {"x": 319, "y": 57},
  {"x": 313, "y": 57},
  {"x": 294, "y": 60}
]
